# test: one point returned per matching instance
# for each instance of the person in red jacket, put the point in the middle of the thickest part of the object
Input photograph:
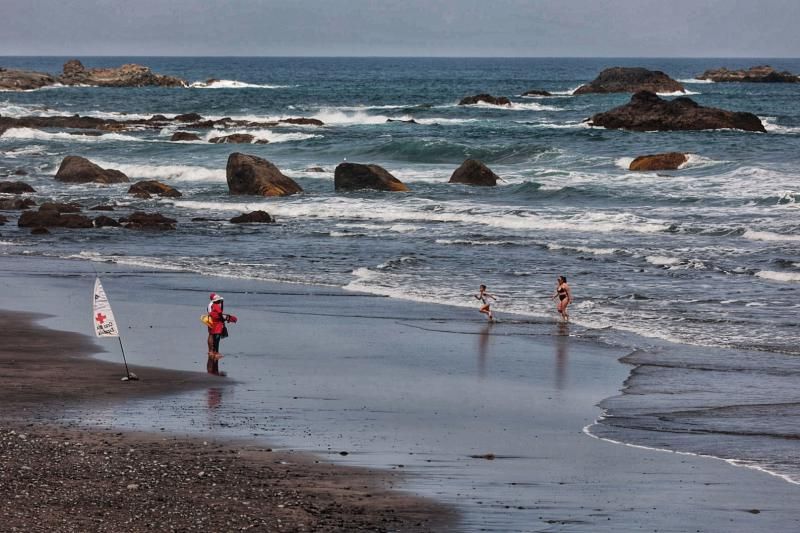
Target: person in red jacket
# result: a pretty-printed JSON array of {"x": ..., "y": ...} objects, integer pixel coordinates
[{"x": 216, "y": 331}]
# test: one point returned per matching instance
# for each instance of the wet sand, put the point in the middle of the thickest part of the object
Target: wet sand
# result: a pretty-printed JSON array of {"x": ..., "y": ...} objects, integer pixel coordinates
[
  {"x": 62, "y": 477},
  {"x": 426, "y": 390}
]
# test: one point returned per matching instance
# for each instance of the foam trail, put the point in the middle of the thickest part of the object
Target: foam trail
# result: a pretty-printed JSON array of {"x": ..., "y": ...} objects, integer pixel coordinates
[
  {"x": 769, "y": 236},
  {"x": 695, "y": 80},
  {"x": 234, "y": 84},
  {"x": 32, "y": 133},
  {"x": 789, "y": 277}
]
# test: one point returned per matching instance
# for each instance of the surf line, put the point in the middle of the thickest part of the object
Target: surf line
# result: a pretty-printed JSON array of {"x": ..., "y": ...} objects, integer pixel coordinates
[{"x": 105, "y": 325}]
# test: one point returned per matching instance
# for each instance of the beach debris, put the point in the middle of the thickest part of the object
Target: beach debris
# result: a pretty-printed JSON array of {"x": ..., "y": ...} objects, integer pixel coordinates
[
  {"x": 354, "y": 176},
  {"x": 666, "y": 161},
  {"x": 759, "y": 74},
  {"x": 254, "y": 217},
  {"x": 15, "y": 187},
  {"x": 146, "y": 188},
  {"x": 253, "y": 175},
  {"x": 184, "y": 136},
  {"x": 647, "y": 112},
  {"x": 631, "y": 80},
  {"x": 77, "y": 169},
  {"x": 486, "y": 99},
  {"x": 474, "y": 172}
]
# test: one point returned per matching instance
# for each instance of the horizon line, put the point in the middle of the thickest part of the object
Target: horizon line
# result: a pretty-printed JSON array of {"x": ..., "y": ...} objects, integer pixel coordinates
[{"x": 396, "y": 56}]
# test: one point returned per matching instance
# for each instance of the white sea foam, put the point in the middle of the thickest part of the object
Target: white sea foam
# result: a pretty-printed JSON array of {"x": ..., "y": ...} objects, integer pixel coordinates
[
  {"x": 263, "y": 135},
  {"x": 584, "y": 249},
  {"x": 769, "y": 236},
  {"x": 678, "y": 93},
  {"x": 562, "y": 125},
  {"x": 624, "y": 162},
  {"x": 516, "y": 106},
  {"x": 695, "y": 80},
  {"x": 167, "y": 172},
  {"x": 32, "y": 149},
  {"x": 568, "y": 92},
  {"x": 660, "y": 260},
  {"x": 32, "y": 133},
  {"x": 467, "y": 242},
  {"x": 234, "y": 84},
  {"x": 771, "y": 126},
  {"x": 779, "y": 276}
]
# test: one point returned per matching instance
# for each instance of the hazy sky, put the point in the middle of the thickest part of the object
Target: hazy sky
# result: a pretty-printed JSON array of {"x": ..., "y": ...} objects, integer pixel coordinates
[{"x": 710, "y": 28}]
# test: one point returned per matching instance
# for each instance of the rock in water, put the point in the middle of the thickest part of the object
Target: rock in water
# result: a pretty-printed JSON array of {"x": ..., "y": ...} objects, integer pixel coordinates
[
  {"x": 76, "y": 169},
  {"x": 631, "y": 80},
  {"x": 255, "y": 217},
  {"x": 248, "y": 174},
  {"x": 667, "y": 161},
  {"x": 647, "y": 112},
  {"x": 148, "y": 221},
  {"x": 17, "y": 203},
  {"x": 473, "y": 172},
  {"x": 104, "y": 221},
  {"x": 146, "y": 188},
  {"x": 130, "y": 75},
  {"x": 485, "y": 98},
  {"x": 760, "y": 74},
  {"x": 15, "y": 187},
  {"x": 354, "y": 176},
  {"x": 24, "y": 80},
  {"x": 236, "y": 138},
  {"x": 52, "y": 218},
  {"x": 302, "y": 121},
  {"x": 537, "y": 92},
  {"x": 184, "y": 136}
]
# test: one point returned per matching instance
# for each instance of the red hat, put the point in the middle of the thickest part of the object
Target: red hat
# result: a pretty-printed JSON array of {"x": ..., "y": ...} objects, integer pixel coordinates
[{"x": 212, "y": 296}]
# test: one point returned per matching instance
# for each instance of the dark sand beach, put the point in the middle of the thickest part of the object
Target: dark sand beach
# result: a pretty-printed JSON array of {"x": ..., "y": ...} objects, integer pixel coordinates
[{"x": 487, "y": 420}]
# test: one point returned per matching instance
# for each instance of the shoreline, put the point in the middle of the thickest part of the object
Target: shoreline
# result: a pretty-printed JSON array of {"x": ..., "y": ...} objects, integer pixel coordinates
[
  {"x": 111, "y": 473},
  {"x": 558, "y": 490}
]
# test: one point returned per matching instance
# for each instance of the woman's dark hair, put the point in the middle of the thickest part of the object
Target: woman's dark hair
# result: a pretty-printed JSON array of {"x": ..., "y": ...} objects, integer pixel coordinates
[{"x": 563, "y": 279}]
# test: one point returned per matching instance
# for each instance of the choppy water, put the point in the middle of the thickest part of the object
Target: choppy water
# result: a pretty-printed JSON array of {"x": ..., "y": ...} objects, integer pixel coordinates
[{"x": 708, "y": 256}]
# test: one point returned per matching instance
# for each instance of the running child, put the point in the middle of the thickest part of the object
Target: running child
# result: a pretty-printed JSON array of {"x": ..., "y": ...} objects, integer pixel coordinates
[{"x": 486, "y": 307}]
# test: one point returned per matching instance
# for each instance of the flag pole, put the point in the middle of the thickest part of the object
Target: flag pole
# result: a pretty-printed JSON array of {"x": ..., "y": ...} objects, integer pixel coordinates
[{"x": 128, "y": 374}]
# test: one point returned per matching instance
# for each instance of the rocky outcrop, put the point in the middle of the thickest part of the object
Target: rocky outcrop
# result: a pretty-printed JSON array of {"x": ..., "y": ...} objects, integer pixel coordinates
[
  {"x": 16, "y": 204},
  {"x": 15, "y": 187},
  {"x": 24, "y": 80},
  {"x": 759, "y": 74},
  {"x": 237, "y": 138},
  {"x": 51, "y": 216},
  {"x": 406, "y": 121},
  {"x": 61, "y": 207},
  {"x": 255, "y": 217},
  {"x": 249, "y": 174},
  {"x": 130, "y": 75},
  {"x": 104, "y": 221},
  {"x": 188, "y": 117},
  {"x": 147, "y": 188},
  {"x": 76, "y": 169},
  {"x": 486, "y": 99},
  {"x": 184, "y": 136},
  {"x": 302, "y": 121},
  {"x": 667, "y": 161},
  {"x": 647, "y": 112},
  {"x": 537, "y": 92},
  {"x": 102, "y": 208},
  {"x": 354, "y": 176},
  {"x": 473, "y": 172},
  {"x": 630, "y": 80},
  {"x": 148, "y": 221}
]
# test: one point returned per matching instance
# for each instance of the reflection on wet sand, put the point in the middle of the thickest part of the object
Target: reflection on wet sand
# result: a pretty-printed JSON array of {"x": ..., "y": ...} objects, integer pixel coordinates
[
  {"x": 562, "y": 353},
  {"x": 483, "y": 349}
]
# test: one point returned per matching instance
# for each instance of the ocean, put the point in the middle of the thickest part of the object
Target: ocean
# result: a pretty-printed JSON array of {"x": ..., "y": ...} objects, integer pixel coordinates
[{"x": 696, "y": 271}]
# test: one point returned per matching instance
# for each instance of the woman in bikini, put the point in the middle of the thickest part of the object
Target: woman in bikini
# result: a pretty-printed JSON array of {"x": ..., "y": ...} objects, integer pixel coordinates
[{"x": 564, "y": 295}]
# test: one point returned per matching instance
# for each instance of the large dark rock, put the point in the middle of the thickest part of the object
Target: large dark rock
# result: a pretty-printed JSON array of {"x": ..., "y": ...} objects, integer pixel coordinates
[
  {"x": 237, "y": 138},
  {"x": 15, "y": 187},
  {"x": 759, "y": 74},
  {"x": 647, "y": 112},
  {"x": 3, "y": 219},
  {"x": 302, "y": 121},
  {"x": 52, "y": 218},
  {"x": 188, "y": 117},
  {"x": 248, "y": 174},
  {"x": 485, "y": 98},
  {"x": 76, "y": 169},
  {"x": 255, "y": 217},
  {"x": 354, "y": 176},
  {"x": 184, "y": 136},
  {"x": 24, "y": 80},
  {"x": 61, "y": 207},
  {"x": 16, "y": 204},
  {"x": 537, "y": 92},
  {"x": 667, "y": 161},
  {"x": 473, "y": 172},
  {"x": 130, "y": 75},
  {"x": 631, "y": 80},
  {"x": 148, "y": 221},
  {"x": 104, "y": 221},
  {"x": 145, "y": 189}
]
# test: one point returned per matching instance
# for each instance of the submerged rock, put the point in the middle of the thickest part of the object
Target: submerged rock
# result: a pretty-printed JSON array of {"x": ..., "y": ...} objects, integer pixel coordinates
[
  {"x": 759, "y": 74},
  {"x": 630, "y": 80},
  {"x": 255, "y": 217},
  {"x": 354, "y": 176},
  {"x": 15, "y": 187},
  {"x": 237, "y": 138},
  {"x": 3, "y": 219},
  {"x": 647, "y": 112},
  {"x": 146, "y": 188},
  {"x": 104, "y": 221},
  {"x": 485, "y": 98},
  {"x": 148, "y": 221},
  {"x": 302, "y": 121},
  {"x": 76, "y": 169},
  {"x": 473, "y": 172},
  {"x": 249, "y": 174},
  {"x": 667, "y": 161},
  {"x": 129, "y": 75},
  {"x": 53, "y": 218},
  {"x": 188, "y": 117},
  {"x": 16, "y": 204},
  {"x": 184, "y": 136},
  {"x": 537, "y": 92}
]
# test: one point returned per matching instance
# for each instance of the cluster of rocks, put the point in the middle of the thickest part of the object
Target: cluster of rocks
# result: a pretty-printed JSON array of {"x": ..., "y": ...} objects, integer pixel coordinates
[
  {"x": 68, "y": 215},
  {"x": 759, "y": 74},
  {"x": 486, "y": 99},
  {"x": 74, "y": 73}
]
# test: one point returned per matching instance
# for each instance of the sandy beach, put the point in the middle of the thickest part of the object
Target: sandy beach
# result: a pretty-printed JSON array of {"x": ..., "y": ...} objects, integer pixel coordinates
[{"x": 486, "y": 420}]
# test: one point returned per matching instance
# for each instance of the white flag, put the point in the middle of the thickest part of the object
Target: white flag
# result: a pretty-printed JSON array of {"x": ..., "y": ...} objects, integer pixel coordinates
[{"x": 104, "y": 323}]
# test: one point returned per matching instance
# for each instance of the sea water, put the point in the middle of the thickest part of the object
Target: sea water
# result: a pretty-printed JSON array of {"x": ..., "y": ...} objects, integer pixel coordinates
[{"x": 697, "y": 271}]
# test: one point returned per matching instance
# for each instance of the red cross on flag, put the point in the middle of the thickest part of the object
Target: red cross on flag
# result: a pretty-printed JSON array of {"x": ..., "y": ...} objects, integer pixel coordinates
[{"x": 104, "y": 323}]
